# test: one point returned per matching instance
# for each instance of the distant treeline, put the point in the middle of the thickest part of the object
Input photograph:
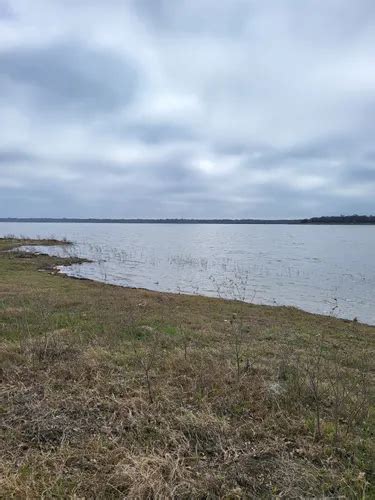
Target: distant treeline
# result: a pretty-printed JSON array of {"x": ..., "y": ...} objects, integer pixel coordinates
[
  {"x": 151, "y": 221},
  {"x": 341, "y": 219}
]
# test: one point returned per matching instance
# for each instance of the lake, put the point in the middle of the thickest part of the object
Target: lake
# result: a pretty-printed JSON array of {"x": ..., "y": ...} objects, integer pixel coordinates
[{"x": 320, "y": 269}]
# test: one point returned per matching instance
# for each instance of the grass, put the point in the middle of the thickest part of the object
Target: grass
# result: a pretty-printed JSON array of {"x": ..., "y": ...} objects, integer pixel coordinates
[{"x": 110, "y": 392}]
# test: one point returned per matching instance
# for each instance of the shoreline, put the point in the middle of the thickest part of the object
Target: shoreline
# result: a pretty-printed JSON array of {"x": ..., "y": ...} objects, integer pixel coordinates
[
  {"x": 212, "y": 297},
  {"x": 54, "y": 269},
  {"x": 79, "y": 260}
]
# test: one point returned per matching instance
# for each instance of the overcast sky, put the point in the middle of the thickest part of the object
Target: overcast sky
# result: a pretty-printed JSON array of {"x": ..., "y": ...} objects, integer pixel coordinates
[{"x": 187, "y": 108}]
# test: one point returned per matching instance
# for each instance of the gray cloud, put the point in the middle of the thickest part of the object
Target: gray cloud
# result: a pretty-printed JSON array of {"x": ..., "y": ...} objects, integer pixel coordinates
[
  {"x": 11, "y": 157},
  {"x": 154, "y": 108},
  {"x": 70, "y": 78},
  {"x": 6, "y": 11}
]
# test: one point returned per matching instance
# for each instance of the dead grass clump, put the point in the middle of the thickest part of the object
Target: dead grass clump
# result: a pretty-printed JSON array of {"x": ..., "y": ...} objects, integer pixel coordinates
[
  {"x": 12, "y": 311},
  {"x": 57, "y": 345},
  {"x": 152, "y": 476},
  {"x": 204, "y": 431},
  {"x": 11, "y": 357}
]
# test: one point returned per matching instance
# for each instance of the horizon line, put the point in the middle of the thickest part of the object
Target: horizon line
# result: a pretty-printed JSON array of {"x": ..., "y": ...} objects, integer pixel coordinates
[{"x": 341, "y": 219}]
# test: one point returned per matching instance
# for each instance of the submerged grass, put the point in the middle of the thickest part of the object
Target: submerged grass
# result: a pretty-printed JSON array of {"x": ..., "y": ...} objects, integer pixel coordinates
[{"x": 110, "y": 392}]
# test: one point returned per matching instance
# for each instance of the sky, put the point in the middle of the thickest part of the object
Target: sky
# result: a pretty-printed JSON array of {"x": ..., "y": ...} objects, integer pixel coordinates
[{"x": 188, "y": 108}]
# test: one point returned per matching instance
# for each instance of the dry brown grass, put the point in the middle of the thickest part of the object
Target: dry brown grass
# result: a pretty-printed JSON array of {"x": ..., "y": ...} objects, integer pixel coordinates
[{"x": 225, "y": 419}]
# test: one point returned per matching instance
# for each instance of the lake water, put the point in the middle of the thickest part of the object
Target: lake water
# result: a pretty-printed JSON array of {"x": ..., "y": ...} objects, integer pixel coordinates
[{"x": 315, "y": 268}]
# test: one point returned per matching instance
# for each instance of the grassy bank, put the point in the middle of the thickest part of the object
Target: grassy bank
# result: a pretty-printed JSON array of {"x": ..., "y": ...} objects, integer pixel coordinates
[{"x": 110, "y": 392}]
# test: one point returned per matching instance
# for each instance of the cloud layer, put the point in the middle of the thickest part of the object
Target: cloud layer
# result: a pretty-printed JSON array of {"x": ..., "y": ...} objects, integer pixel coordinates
[{"x": 196, "y": 108}]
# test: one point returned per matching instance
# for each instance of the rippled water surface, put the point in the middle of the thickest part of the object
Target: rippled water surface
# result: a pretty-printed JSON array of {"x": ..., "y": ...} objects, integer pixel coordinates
[{"x": 311, "y": 267}]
